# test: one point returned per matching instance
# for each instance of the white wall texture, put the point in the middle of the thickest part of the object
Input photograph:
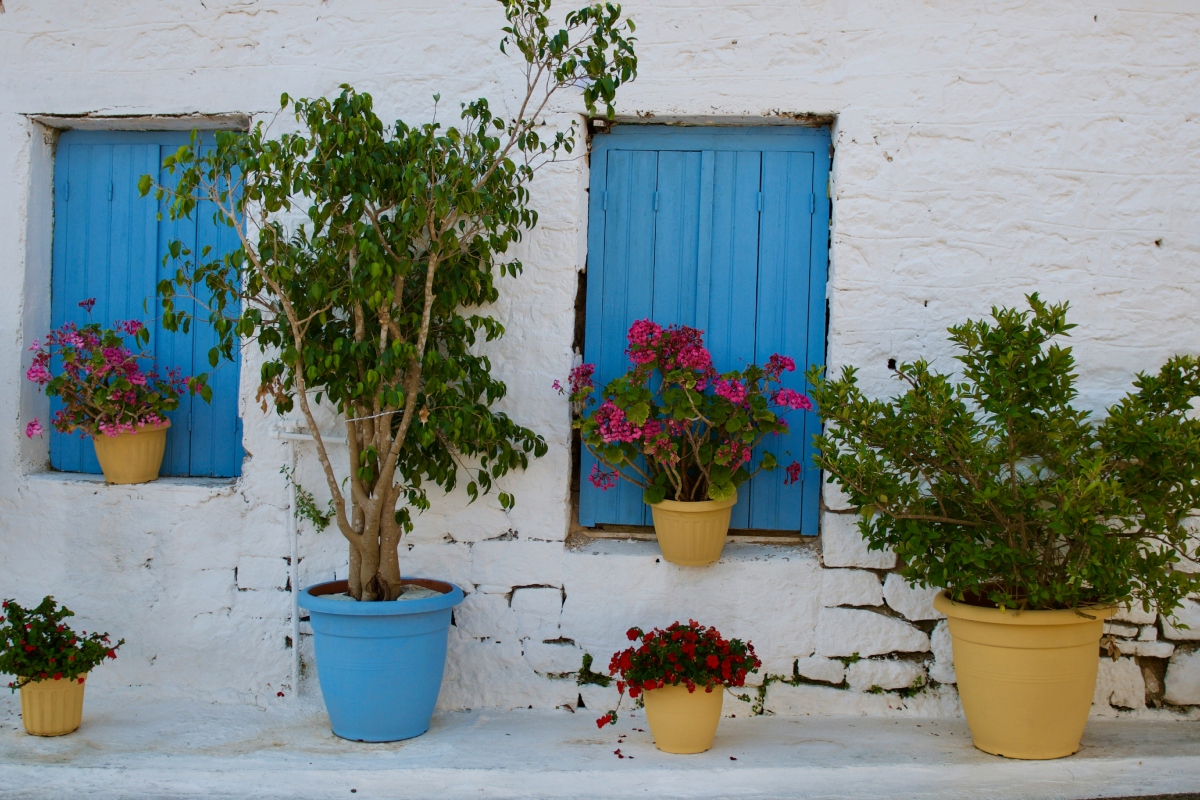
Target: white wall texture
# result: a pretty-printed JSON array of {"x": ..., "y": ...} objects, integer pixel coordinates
[{"x": 983, "y": 150}]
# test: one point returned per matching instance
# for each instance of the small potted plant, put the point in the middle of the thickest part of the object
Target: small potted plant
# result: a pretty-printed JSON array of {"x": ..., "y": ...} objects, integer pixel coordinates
[
  {"x": 1035, "y": 520},
  {"x": 683, "y": 432},
  {"x": 51, "y": 663},
  {"x": 107, "y": 395},
  {"x": 680, "y": 675},
  {"x": 375, "y": 309}
]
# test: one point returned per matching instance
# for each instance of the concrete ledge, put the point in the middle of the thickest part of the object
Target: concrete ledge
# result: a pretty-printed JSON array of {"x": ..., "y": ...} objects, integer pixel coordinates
[{"x": 139, "y": 748}]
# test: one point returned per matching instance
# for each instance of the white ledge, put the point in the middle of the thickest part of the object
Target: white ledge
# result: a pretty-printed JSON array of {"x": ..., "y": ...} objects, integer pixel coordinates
[
  {"x": 211, "y": 486},
  {"x": 133, "y": 746}
]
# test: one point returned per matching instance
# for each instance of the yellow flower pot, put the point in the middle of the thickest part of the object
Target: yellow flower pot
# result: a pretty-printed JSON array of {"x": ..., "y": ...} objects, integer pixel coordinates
[
  {"x": 52, "y": 707},
  {"x": 132, "y": 457},
  {"x": 692, "y": 534},
  {"x": 1025, "y": 678},
  {"x": 682, "y": 721}
]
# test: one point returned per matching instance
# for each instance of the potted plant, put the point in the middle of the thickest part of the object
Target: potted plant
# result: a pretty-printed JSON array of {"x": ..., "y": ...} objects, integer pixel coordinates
[
  {"x": 51, "y": 663},
  {"x": 106, "y": 395},
  {"x": 1036, "y": 520},
  {"x": 679, "y": 674},
  {"x": 371, "y": 299},
  {"x": 683, "y": 432}
]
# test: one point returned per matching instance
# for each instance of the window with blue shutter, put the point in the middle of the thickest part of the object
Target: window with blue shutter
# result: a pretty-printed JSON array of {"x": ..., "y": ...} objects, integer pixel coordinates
[
  {"x": 109, "y": 244},
  {"x": 724, "y": 229}
]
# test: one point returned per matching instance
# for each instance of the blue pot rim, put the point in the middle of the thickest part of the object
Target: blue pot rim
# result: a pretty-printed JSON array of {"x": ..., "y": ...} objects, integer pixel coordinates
[{"x": 386, "y": 608}]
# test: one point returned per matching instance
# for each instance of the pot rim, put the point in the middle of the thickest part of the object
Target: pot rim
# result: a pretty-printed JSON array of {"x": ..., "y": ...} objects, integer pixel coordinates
[
  {"x": 1055, "y": 616},
  {"x": 695, "y": 506},
  {"x": 311, "y": 600},
  {"x": 162, "y": 426}
]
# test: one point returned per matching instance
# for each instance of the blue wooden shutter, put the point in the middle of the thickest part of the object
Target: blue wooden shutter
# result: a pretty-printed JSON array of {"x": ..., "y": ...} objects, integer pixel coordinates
[
  {"x": 726, "y": 230},
  {"x": 109, "y": 245}
]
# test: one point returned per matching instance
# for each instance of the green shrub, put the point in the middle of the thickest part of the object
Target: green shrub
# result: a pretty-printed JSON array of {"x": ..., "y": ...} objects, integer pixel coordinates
[{"x": 997, "y": 488}]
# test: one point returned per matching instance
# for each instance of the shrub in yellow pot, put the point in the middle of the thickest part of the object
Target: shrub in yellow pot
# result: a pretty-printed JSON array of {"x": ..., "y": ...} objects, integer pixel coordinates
[
  {"x": 51, "y": 663},
  {"x": 685, "y": 433},
  {"x": 1036, "y": 520},
  {"x": 680, "y": 674}
]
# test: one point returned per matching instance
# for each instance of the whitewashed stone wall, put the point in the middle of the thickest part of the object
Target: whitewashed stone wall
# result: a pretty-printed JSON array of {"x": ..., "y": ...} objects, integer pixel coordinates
[{"x": 983, "y": 150}]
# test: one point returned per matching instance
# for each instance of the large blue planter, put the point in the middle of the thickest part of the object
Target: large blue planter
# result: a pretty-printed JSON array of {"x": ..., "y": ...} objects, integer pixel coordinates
[{"x": 380, "y": 665}]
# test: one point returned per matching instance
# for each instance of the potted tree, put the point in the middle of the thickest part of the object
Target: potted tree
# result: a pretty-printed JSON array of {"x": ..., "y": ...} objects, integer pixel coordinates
[
  {"x": 51, "y": 663},
  {"x": 1035, "y": 520},
  {"x": 372, "y": 300},
  {"x": 680, "y": 675},
  {"x": 683, "y": 432},
  {"x": 107, "y": 395}
]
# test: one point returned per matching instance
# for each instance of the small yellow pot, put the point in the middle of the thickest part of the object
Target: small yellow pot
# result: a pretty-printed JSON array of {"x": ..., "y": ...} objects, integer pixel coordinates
[
  {"x": 1025, "y": 678},
  {"x": 132, "y": 457},
  {"x": 52, "y": 707},
  {"x": 682, "y": 721},
  {"x": 692, "y": 534}
]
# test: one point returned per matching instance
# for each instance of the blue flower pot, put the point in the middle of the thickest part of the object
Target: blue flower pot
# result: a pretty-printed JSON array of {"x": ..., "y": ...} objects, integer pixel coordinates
[{"x": 380, "y": 664}]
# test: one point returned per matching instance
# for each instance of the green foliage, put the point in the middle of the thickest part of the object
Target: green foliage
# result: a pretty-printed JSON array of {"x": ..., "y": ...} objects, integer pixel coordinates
[
  {"x": 585, "y": 676},
  {"x": 999, "y": 489},
  {"x": 35, "y": 644},
  {"x": 369, "y": 254},
  {"x": 306, "y": 504}
]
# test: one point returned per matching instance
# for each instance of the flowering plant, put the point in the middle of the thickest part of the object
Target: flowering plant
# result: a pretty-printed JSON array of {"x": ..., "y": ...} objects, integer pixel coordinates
[
  {"x": 689, "y": 655},
  {"x": 103, "y": 388},
  {"x": 696, "y": 428},
  {"x": 36, "y": 645}
]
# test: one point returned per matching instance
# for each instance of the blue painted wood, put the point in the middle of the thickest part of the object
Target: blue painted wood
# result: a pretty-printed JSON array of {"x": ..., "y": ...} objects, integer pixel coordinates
[
  {"x": 734, "y": 273},
  {"x": 782, "y": 322},
  {"x": 108, "y": 245},
  {"x": 738, "y": 246}
]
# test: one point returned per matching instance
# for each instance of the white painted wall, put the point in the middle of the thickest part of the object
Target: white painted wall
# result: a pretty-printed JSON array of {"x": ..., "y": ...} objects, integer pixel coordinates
[{"x": 984, "y": 150}]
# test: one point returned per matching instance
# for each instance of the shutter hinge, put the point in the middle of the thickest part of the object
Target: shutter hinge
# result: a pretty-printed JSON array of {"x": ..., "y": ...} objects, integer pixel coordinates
[
  {"x": 66, "y": 191},
  {"x": 812, "y": 203},
  {"x": 110, "y": 191},
  {"x": 656, "y": 201},
  {"x": 604, "y": 201},
  {"x": 760, "y": 204}
]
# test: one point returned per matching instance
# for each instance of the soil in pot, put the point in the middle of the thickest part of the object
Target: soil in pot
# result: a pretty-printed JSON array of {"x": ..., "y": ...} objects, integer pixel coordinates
[
  {"x": 52, "y": 707},
  {"x": 692, "y": 534},
  {"x": 1025, "y": 678},
  {"x": 681, "y": 721},
  {"x": 134, "y": 457}
]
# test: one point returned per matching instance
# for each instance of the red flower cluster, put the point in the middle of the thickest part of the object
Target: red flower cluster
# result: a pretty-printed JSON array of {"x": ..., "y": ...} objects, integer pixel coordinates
[
  {"x": 36, "y": 644},
  {"x": 681, "y": 655}
]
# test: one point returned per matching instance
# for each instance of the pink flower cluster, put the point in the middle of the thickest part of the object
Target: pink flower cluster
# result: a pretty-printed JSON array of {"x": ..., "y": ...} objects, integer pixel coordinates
[
  {"x": 602, "y": 480},
  {"x": 676, "y": 347},
  {"x": 732, "y": 454},
  {"x": 777, "y": 365},
  {"x": 790, "y": 398},
  {"x": 150, "y": 420},
  {"x": 733, "y": 391},
  {"x": 793, "y": 471},
  {"x": 613, "y": 426}
]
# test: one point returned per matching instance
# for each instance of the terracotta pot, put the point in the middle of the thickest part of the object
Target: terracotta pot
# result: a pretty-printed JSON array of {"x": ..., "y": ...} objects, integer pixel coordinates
[
  {"x": 52, "y": 707},
  {"x": 1026, "y": 678},
  {"x": 132, "y": 457},
  {"x": 692, "y": 534},
  {"x": 682, "y": 721}
]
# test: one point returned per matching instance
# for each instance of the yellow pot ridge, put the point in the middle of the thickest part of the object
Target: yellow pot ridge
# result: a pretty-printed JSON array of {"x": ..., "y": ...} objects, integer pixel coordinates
[
  {"x": 1026, "y": 678},
  {"x": 692, "y": 534},
  {"x": 52, "y": 707},
  {"x": 682, "y": 721},
  {"x": 132, "y": 457}
]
